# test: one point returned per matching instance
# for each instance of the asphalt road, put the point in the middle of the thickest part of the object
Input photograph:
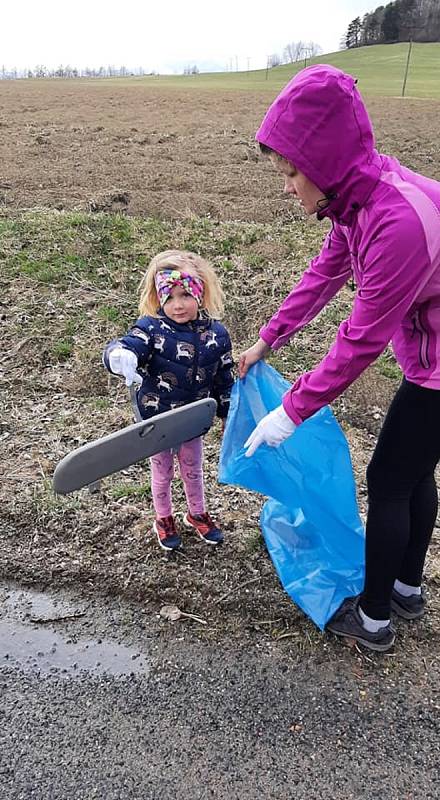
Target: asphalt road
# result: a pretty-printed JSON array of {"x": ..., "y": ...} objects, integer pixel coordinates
[{"x": 205, "y": 720}]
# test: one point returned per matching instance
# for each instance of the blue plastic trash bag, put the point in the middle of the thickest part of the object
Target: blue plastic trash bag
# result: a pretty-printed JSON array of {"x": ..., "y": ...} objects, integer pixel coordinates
[{"x": 311, "y": 524}]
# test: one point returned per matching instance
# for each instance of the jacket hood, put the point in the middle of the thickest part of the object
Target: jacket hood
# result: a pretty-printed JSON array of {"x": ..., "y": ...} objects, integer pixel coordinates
[{"x": 320, "y": 124}]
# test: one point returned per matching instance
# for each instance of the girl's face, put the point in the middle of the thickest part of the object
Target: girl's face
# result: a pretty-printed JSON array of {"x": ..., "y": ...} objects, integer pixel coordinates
[
  {"x": 181, "y": 307},
  {"x": 296, "y": 183}
]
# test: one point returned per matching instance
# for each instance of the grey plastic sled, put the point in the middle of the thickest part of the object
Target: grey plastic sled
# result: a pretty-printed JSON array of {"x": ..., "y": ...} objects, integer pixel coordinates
[{"x": 86, "y": 465}]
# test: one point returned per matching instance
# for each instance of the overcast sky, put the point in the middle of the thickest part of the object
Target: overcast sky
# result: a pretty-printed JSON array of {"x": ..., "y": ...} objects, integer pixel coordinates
[{"x": 163, "y": 35}]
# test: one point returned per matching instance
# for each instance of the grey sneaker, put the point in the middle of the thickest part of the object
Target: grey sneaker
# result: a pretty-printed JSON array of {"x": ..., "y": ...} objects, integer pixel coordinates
[
  {"x": 412, "y": 607},
  {"x": 347, "y": 622}
]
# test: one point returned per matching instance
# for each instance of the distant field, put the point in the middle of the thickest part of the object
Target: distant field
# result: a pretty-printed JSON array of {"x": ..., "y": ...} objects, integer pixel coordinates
[
  {"x": 149, "y": 148},
  {"x": 380, "y": 70}
]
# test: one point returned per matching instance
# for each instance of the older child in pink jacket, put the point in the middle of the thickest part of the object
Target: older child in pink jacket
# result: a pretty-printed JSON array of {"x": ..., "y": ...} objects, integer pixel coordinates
[{"x": 386, "y": 234}]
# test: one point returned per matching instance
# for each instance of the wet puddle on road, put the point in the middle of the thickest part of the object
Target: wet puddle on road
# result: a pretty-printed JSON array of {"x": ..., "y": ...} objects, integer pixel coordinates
[{"x": 27, "y": 640}]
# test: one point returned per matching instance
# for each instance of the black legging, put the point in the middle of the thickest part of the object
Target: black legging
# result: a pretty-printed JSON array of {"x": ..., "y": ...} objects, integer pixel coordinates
[{"x": 402, "y": 496}]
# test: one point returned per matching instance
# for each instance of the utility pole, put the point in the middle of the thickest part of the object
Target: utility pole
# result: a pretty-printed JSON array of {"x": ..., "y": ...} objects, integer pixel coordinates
[
  {"x": 267, "y": 67},
  {"x": 236, "y": 63},
  {"x": 414, "y": 29},
  {"x": 407, "y": 66}
]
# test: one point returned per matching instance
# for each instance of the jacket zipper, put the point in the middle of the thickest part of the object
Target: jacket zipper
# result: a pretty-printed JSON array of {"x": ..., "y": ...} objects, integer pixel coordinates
[
  {"x": 197, "y": 354},
  {"x": 424, "y": 341}
]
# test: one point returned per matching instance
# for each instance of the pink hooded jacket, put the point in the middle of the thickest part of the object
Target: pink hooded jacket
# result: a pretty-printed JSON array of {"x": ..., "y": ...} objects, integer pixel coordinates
[{"x": 386, "y": 234}]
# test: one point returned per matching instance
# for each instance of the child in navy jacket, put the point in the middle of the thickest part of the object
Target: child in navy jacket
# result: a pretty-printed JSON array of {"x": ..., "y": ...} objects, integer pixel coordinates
[{"x": 177, "y": 352}]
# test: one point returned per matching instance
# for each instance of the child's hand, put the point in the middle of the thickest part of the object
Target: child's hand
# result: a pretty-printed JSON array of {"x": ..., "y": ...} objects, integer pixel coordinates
[
  {"x": 125, "y": 362},
  {"x": 250, "y": 356},
  {"x": 129, "y": 365}
]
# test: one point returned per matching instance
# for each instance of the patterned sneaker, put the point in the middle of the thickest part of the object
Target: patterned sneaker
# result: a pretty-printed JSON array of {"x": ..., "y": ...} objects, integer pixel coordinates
[
  {"x": 347, "y": 622},
  {"x": 412, "y": 607},
  {"x": 205, "y": 527},
  {"x": 165, "y": 530}
]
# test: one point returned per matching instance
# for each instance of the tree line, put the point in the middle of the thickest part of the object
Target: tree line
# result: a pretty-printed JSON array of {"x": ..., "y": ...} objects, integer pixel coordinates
[
  {"x": 398, "y": 21},
  {"x": 67, "y": 71},
  {"x": 292, "y": 52}
]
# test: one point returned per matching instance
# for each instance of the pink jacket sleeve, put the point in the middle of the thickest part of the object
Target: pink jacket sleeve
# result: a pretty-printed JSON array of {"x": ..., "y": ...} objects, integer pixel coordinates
[
  {"x": 322, "y": 279},
  {"x": 396, "y": 266}
]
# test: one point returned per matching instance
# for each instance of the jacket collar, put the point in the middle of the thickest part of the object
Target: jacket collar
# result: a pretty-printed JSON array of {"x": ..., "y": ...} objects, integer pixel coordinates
[{"x": 346, "y": 201}]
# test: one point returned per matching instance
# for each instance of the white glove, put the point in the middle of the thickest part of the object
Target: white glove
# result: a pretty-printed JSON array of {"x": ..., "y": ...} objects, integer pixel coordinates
[
  {"x": 273, "y": 429},
  {"x": 125, "y": 362}
]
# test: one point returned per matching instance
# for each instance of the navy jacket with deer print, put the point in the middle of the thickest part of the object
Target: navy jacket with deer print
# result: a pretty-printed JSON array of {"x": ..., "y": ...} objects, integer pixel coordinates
[{"x": 179, "y": 363}]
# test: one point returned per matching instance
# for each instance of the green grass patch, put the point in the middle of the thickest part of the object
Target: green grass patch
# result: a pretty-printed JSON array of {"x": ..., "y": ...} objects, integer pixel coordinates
[
  {"x": 72, "y": 329},
  {"x": 388, "y": 366},
  {"x": 70, "y": 248},
  {"x": 101, "y": 403},
  {"x": 380, "y": 70},
  {"x": 46, "y": 503},
  {"x": 255, "y": 261},
  {"x": 253, "y": 541},
  {"x": 62, "y": 349},
  {"x": 133, "y": 490},
  {"x": 75, "y": 298},
  {"x": 226, "y": 265},
  {"x": 110, "y": 314},
  {"x": 76, "y": 323}
]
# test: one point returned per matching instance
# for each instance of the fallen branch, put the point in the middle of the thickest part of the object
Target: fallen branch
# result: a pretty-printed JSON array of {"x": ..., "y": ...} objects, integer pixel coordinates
[
  {"x": 236, "y": 588},
  {"x": 45, "y": 620}
]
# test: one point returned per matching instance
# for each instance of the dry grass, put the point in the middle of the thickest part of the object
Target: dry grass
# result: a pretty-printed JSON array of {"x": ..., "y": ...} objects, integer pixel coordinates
[{"x": 68, "y": 284}]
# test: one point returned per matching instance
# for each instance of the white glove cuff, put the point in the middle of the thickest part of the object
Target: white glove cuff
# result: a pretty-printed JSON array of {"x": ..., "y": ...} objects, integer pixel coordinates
[
  {"x": 286, "y": 423},
  {"x": 114, "y": 360}
]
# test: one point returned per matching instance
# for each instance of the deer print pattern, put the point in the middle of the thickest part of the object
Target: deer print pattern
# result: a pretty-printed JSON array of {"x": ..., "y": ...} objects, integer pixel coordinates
[
  {"x": 151, "y": 401},
  {"x": 184, "y": 350},
  {"x": 166, "y": 381},
  {"x": 210, "y": 339},
  {"x": 159, "y": 342},
  {"x": 179, "y": 363},
  {"x": 141, "y": 335}
]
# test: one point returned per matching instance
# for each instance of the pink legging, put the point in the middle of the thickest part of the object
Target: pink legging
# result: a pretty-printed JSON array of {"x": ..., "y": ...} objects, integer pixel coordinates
[{"x": 190, "y": 458}]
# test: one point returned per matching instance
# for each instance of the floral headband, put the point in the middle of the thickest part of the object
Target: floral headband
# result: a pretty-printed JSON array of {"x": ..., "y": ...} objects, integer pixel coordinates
[{"x": 166, "y": 279}]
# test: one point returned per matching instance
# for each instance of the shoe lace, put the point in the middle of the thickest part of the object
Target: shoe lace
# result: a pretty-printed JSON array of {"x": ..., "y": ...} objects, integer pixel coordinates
[
  {"x": 168, "y": 525},
  {"x": 205, "y": 520}
]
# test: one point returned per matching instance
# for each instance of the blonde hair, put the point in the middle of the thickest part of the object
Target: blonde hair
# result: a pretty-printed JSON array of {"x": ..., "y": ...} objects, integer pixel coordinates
[{"x": 185, "y": 261}]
